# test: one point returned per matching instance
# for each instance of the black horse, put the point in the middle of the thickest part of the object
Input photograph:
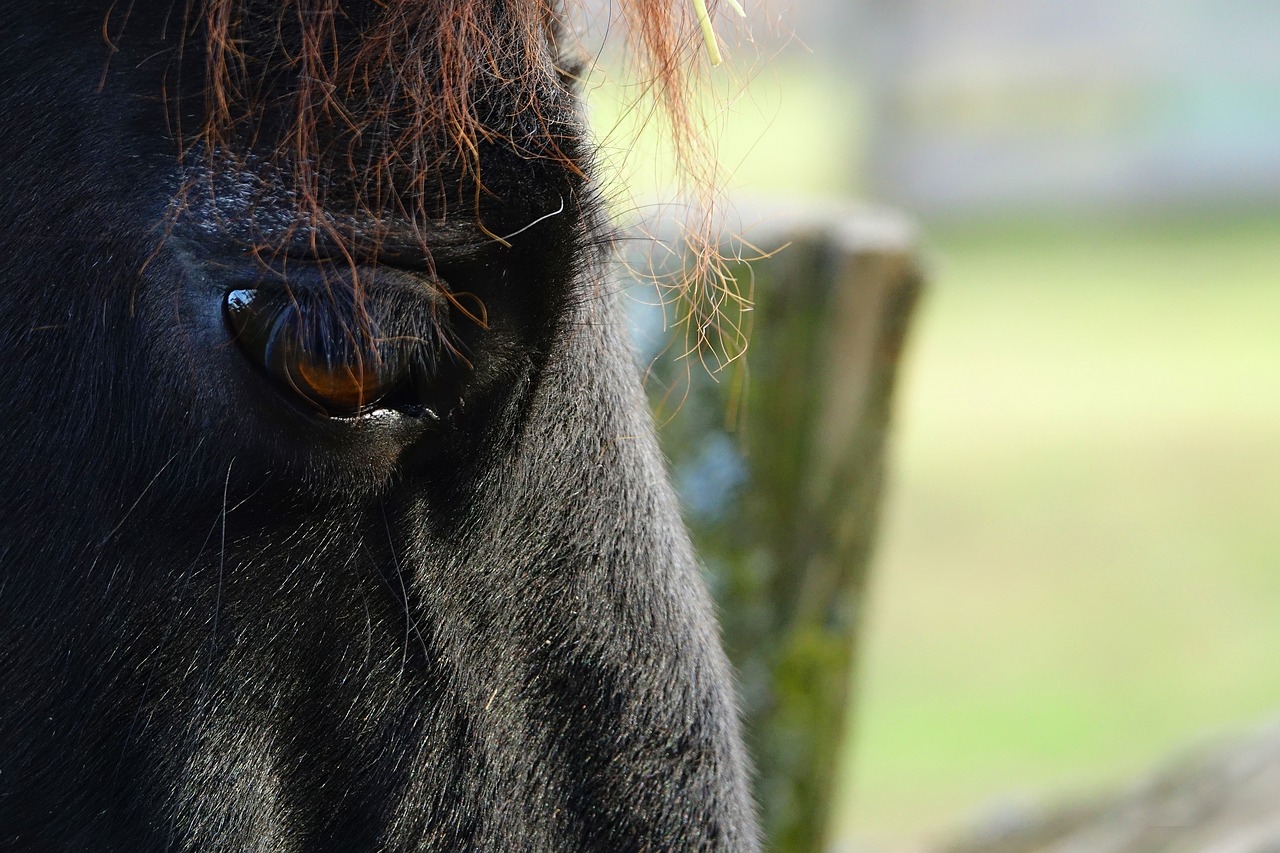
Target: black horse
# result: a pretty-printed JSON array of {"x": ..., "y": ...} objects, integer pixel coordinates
[{"x": 330, "y": 511}]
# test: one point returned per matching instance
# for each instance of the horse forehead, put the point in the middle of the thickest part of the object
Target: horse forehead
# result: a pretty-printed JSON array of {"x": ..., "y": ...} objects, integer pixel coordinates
[{"x": 484, "y": 25}]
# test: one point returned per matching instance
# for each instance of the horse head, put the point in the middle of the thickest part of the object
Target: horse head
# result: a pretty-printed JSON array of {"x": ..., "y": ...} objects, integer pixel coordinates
[{"x": 331, "y": 515}]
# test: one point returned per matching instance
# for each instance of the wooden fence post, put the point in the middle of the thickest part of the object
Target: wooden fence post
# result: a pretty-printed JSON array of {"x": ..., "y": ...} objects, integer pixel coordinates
[{"x": 783, "y": 505}]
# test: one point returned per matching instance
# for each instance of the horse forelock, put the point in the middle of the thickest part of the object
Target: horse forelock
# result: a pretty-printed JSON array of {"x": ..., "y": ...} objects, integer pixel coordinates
[
  {"x": 386, "y": 103},
  {"x": 392, "y": 95},
  {"x": 393, "y": 102}
]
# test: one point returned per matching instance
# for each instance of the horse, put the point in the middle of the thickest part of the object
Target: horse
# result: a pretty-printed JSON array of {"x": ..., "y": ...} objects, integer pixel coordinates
[{"x": 331, "y": 514}]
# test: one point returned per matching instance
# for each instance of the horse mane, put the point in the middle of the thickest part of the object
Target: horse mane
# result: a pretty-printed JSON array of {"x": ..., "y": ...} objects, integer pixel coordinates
[
  {"x": 418, "y": 82},
  {"x": 412, "y": 96}
]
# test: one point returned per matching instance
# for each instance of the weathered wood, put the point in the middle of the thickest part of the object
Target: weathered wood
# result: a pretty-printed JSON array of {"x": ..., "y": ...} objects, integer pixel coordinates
[
  {"x": 783, "y": 501},
  {"x": 1222, "y": 797}
]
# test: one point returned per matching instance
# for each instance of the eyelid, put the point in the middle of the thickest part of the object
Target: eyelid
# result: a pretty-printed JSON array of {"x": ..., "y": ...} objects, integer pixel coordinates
[{"x": 312, "y": 346}]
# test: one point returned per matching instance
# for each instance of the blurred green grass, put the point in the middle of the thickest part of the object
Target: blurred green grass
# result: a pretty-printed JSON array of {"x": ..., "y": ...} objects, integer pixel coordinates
[
  {"x": 1080, "y": 559},
  {"x": 772, "y": 128}
]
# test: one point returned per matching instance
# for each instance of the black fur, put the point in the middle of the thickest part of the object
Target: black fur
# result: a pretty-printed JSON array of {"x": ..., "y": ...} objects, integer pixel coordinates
[{"x": 228, "y": 623}]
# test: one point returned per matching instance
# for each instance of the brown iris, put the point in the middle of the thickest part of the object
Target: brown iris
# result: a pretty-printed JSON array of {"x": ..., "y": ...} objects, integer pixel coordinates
[{"x": 314, "y": 346}]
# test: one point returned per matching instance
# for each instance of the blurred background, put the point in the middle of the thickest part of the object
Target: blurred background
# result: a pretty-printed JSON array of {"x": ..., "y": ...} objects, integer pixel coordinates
[{"x": 1078, "y": 564}]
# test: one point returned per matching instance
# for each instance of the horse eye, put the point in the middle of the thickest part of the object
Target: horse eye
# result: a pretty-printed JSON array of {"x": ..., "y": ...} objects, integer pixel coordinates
[{"x": 305, "y": 343}]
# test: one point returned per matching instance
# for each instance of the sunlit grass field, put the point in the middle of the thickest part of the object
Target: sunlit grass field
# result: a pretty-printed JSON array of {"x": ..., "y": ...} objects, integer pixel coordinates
[
  {"x": 1080, "y": 559},
  {"x": 1079, "y": 567}
]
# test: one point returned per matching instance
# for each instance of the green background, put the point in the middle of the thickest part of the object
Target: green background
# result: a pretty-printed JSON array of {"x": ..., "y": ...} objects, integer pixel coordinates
[{"x": 1079, "y": 568}]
